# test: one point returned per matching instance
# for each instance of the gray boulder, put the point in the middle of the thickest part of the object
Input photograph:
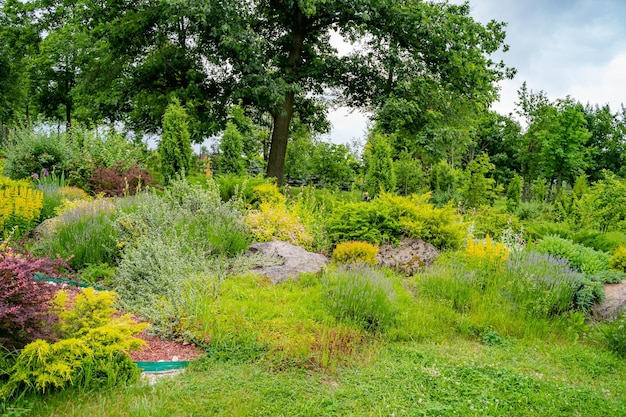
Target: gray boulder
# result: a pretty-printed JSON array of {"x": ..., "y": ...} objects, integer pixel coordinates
[
  {"x": 293, "y": 260},
  {"x": 409, "y": 257},
  {"x": 614, "y": 301}
]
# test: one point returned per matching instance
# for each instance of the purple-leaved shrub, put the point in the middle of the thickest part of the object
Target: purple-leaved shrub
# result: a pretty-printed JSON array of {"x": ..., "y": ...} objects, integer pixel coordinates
[{"x": 24, "y": 311}]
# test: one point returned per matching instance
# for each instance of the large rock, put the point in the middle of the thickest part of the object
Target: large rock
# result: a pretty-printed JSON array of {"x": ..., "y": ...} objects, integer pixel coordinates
[
  {"x": 409, "y": 257},
  {"x": 614, "y": 301},
  {"x": 294, "y": 260}
]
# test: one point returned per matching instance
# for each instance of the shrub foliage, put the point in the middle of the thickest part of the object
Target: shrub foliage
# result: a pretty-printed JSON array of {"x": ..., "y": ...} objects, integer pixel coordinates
[{"x": 24, "y": 313}]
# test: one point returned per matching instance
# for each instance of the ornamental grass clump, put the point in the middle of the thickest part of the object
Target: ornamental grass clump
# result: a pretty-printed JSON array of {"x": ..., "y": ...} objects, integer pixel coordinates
[
  {"x": 362, "y": 296},
  {"x": 85, "y": 230}
]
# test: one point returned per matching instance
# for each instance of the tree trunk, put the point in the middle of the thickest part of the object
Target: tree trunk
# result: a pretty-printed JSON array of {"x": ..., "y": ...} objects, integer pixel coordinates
[
  {"x": 282, "y": 117},
  {"x": 280, "y": 137}
]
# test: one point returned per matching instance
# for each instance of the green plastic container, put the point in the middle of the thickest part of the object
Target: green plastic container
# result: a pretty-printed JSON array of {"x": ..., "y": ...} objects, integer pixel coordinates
[{"x": 161, "y": 366}]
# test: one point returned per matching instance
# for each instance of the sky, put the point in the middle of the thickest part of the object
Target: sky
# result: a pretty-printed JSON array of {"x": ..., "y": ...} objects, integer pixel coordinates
[{"x": 565, "y": 48}]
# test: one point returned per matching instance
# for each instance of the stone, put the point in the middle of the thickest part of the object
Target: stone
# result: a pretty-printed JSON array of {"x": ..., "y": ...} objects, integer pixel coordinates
[
  {"x": 614, "y": 301},
  {"x": 409, "y": 257},
  {"x": 293, "y": 260}
]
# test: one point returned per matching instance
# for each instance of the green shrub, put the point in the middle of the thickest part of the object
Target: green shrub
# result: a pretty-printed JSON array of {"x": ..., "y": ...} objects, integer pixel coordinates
[
  {"x": 602, "y": 241},
  {"x": 355, "y": 253},
  {"x": 35, "y": 152},
  {"x": 364, "y": 221},
  {"x": 608, "y": 277},
  {"x": 492, "y": 221},
  {"x": 535, "y": 230},
  {"x": 615, "y": 335},
  {"x": 444, "y": 183},
  {"x": 362, "y": 296},
  {"x": 478, "y": 187},
  {"x": 379, "y": 174},
  {"x": 618, "y": 259},
  {"x": 231, "y": 147},
  {"x": 535, "y": 210},
  {"x": 240, "y": 186},
  {"x": 101, "y": 273},
  {"x": 514, "y": 193},
  {"x": 175, "y": 145},
  {"x": 584, "y": 259},
  {"x": 389, "y": 218}
]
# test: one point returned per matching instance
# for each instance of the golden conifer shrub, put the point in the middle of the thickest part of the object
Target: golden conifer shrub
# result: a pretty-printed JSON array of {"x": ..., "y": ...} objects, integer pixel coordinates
[{"x": 355, "y": 253}]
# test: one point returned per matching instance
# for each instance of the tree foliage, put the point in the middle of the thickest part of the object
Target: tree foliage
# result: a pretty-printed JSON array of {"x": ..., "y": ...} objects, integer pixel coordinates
[
  {"x": 379, "y": 176},
  {"x": 175, "y": 145}
]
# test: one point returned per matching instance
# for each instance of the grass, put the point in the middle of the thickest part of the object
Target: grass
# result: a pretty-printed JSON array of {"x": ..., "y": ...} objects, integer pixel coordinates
[
  {"x": 459, "y": 377},
  {"x": 276, "y": 350}
]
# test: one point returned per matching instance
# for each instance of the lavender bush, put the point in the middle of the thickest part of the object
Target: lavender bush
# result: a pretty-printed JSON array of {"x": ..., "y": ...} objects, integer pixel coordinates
[
  {"x": 362, "y": 296},
  {"x": 540, "y": 284}
]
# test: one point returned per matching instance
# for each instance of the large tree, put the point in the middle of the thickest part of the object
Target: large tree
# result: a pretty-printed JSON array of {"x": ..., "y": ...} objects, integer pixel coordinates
[
  {"x": 280, "y": 50},
  {"x": 276, "y": 56}
]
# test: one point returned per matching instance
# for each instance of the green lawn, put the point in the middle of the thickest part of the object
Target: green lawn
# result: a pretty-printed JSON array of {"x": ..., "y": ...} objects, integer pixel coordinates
[{"x": 456, "y": 377}]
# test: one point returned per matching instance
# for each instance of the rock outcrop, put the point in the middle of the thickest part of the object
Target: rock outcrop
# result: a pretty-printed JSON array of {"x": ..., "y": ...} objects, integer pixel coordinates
[
  {"x": 294, "y": 260},
  {"x": 614, "y": 301},
  {"x": 409, "y": 257}
]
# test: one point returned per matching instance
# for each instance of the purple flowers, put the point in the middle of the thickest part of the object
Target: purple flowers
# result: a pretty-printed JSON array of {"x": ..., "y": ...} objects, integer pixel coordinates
[{"x": 44, "y": 172}]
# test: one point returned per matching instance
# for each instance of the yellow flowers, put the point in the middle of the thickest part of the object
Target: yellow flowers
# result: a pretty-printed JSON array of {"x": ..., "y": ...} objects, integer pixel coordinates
[
  {"x": 19, "y": 205},
  {"x": 493, "y": 252}
]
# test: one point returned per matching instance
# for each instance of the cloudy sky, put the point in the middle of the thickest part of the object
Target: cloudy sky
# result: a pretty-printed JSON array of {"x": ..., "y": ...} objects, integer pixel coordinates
[{"x": 563, "y": 47}]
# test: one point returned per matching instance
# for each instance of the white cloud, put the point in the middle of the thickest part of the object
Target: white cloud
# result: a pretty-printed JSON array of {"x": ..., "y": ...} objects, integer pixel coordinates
[{"x": 601, "y": 85}]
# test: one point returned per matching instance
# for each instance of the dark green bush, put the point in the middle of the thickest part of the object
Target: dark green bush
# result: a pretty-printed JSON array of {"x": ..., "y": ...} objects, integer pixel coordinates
[{"x": 33, "y": 152}]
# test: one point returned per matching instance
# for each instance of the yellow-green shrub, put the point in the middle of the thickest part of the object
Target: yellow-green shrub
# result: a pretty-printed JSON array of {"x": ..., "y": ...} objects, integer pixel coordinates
[
  {"x": 21, "y": 206},
  {"x": 92, "y": 351},
  {"x": 268, "y": 193},
  {"x": 274, "y": 221},
  {"x": 390, "y": 217},
  {"x": 355, "y": 252},
  {"x": 618, "y": 260}
]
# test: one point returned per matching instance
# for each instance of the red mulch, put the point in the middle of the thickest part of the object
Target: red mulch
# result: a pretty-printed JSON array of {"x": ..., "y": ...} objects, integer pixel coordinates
[{"x": 156, "y": 349}]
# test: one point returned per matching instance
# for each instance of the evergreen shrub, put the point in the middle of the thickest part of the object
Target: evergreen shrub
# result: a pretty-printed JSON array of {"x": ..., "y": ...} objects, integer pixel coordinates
[
  {"x": 92, "y": 351},
  {"x": 355, "y": 253},
  {"x": 618, "y": 259},
  {"x": 388, "y": 218}
]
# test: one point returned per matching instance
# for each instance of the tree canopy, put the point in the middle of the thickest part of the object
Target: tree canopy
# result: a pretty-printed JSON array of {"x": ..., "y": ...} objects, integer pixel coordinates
[{"x": 124, "y": 60}]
